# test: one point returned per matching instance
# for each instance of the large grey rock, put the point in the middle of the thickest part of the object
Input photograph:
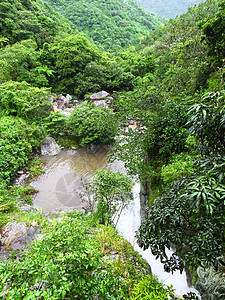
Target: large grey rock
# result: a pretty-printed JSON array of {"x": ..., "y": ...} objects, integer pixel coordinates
[
  {"x": 12, "y": 232},
  {"x": 100, "y": 103},
  {"x": 22, "y": 179},
  {"x": 49, "y": 146},
  {"x": 16, "y": 236},
  {"x": 61, "y": 100},
  {"x": 99, "y": 96},
  {"x": 68, "y": 99},
  {"x": 211, "y": 284}
]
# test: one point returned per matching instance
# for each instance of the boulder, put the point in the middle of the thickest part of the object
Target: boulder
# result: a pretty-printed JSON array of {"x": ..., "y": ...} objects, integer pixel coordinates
[
  {"x": 99, "y": 96},
  {"x": 68, "y": 99},
  {"x": 49, "y": 146},
  {"x": 16, "y": 236},
  {"x": 61, "y": 101},
  {"x": 22, "y": 179},
  {"x": 100, "y": 103}
]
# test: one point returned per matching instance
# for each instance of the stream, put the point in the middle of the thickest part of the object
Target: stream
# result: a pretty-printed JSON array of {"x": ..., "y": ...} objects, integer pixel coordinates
[{"x": 60, "y": 186}]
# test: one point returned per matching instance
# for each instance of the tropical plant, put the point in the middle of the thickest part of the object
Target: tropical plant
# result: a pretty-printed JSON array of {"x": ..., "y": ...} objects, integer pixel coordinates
[
  {"x": 112, "y": 192},
  {"x": 207, "y": 122},
  {"x": 149, "y": 288},
  {"x": 72, "y": 260},
  {"x": 17, "y": 141},
  {"x": 22, "y": 100},
  {"x": 91, "y": 124}
]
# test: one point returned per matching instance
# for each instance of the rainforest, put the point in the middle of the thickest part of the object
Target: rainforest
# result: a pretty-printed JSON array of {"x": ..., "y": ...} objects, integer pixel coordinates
[{"x": 163, "y": 77}]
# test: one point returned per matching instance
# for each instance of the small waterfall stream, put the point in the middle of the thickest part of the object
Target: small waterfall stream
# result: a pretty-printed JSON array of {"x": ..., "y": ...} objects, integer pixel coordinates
[
  {"x": 58, "y": 189},
  {"x": 128, "y": 224}
]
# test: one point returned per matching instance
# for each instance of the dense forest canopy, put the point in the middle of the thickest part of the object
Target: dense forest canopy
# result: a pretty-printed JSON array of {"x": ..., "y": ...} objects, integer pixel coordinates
[
  {"x": 167, "y": 8},
  {"x": 20, "y": 20},
  {"x": 111, "y": 24},
  {"x": 178, "y": 149},
  {"x": 168, "y": 80}
]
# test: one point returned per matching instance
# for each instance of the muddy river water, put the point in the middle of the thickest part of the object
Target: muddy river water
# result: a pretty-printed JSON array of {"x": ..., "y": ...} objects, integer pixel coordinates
[{"x": 60, "y": 186}]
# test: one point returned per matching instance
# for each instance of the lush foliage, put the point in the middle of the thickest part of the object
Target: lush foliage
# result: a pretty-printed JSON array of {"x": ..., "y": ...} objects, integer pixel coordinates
[
  {"x": 174, "y": 83},
  {"x": 149, "y": 288},
  {"x": 214, "y": 35},
  {"x": 92, "y": 124},
  {"x": 22, "y": 100},
  {"x": 181, "y": 165},
  {"x": 72, "y": 261},
  {"x": 87, "y": 124},
  {"x": 112, "y": 192},
  {"x": 21, "y": 20},
  {"x": 17, "y": 141},
  {"x": 113, "y": 24},
  {"x": 21, "y": 62},
  {"x": 177, "y": 147},
  {"x": 207, "y": 120}
]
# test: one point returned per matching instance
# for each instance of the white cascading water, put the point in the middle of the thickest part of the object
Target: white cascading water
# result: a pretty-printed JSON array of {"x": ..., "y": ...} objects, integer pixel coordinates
[
  {"x": 58, "y": 188},
  {"x": 128, "y": 224}
]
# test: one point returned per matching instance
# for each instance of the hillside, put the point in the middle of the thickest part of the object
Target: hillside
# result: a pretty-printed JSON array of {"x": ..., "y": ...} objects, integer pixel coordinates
[
  {"x": 167, "y": 8},
  {"x": 112, "y": 24},
  {"x": 178, "y": 150},
  {"x": 167, "y": 104},
  {"x": 20, "y": 20}
]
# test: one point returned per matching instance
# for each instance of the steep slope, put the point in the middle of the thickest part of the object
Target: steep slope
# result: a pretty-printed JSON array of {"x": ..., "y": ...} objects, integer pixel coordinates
[
  {"x": 114, "y": 24},
  {"x": 178, "y": 150},
  {"x": 20, "y": 20},
  {"x": 180, "y": 51},
  {"x": 167, "y": 8}
]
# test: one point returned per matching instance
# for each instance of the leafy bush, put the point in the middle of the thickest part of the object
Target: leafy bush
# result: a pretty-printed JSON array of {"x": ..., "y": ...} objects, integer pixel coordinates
[
  {"x": 190, "y": 216},
  {"x": 149, "y": 288},
  {"x": 91, "y": 124},
  {"x": 86, "y": 124},
  {"x": 207, "y": 122},
  {"x": 111, "y": 191},
  {"x": 22, "y": 100},
  {"x": 70, "y": 261},
  {"x": 21, "y": 62},
  {"x": 55, "y": 124},
  {"x": 10, "y": 196},
  {"x": 181, "y": 165},
  {"x": 17, "y": 141},
  {"x": 36, "y": 167}
]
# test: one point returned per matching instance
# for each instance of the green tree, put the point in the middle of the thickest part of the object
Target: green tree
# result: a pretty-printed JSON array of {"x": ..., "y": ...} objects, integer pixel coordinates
[
  {"x": 111, "y": 191},
  {"x": 91, "y": 124},
  {"x": 207, "y": 122},
  {"x": 22, "y": 100},
  {"x": 213, "y": 31},
  {"x": 20, "y": 62},
  {"x": 17, "y": 142},
  {"x": 71, "y": 55}
]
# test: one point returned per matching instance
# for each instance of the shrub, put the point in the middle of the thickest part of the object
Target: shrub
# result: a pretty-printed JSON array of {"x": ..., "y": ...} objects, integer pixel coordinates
[
  {"x": 181, "y": 165},
  {"x": 91, "y": 124},
  {"x": 17, "y": 141},
  {"x": 149, "y": 288},
  {"x": 111, "y": 191},
  {"x": 22, "y": 100},
  {"x": 67, "y": 262}
]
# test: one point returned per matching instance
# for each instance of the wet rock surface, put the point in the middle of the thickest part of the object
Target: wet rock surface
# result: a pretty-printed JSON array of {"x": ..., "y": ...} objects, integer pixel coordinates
[
  {"x": 16, "y": 236},
  {"x": 101, "y": 99},
  {"x": 22, "y": 179},
  {"x": 99, "y": 96},
  {"x": 49, "y": 146}
]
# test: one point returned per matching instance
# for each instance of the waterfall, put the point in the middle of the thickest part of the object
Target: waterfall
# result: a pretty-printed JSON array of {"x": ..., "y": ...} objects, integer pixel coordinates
[{"x": 128, "y": 224}]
